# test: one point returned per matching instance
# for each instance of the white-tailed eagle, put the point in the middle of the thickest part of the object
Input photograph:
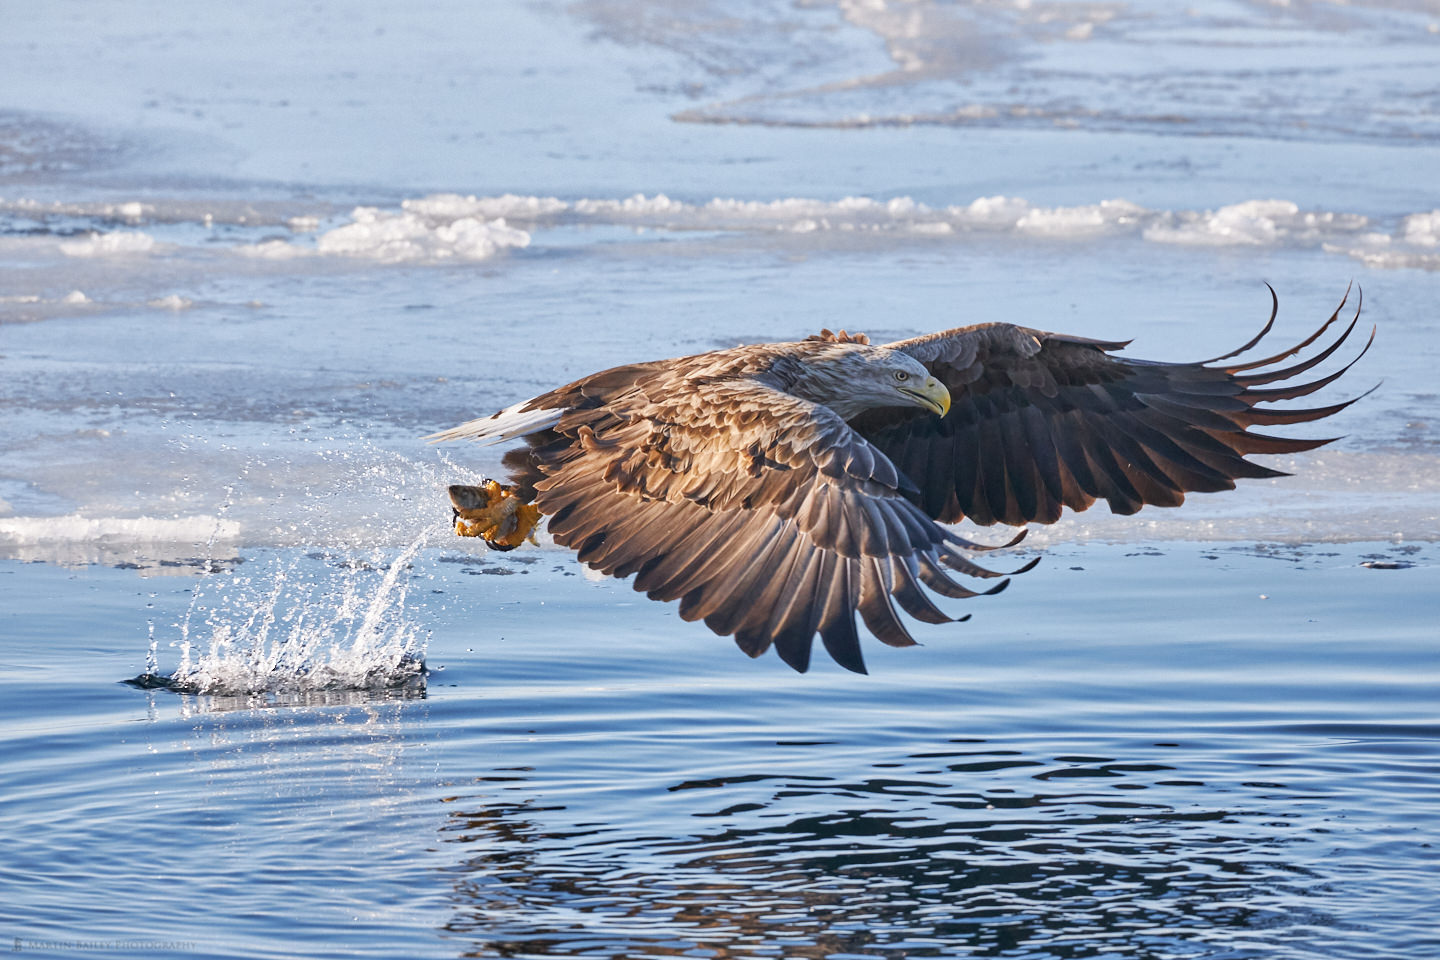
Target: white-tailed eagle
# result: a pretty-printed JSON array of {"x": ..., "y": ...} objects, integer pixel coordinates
[{"x": 776, "y": 489}]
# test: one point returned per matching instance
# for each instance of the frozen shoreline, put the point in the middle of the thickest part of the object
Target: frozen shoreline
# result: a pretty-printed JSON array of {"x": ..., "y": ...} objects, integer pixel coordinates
[{"x": 449, "y": 227}]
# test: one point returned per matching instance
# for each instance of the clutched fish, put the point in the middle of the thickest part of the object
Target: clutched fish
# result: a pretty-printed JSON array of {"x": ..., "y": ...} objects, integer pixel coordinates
[{"x": 493, "y": 512}]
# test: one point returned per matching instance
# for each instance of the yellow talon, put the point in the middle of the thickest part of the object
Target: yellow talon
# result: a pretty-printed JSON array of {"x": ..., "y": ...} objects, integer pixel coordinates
[{"x": 493, "y": 511}]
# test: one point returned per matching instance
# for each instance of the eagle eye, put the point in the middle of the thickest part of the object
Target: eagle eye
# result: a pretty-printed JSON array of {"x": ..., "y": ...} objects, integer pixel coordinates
[{"x": 902, "y": 375}]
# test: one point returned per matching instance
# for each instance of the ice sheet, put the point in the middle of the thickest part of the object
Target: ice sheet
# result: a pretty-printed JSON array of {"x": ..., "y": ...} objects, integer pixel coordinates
[
  {"x": 440, "y": 227},
  {"x": 247, "y": 306}
]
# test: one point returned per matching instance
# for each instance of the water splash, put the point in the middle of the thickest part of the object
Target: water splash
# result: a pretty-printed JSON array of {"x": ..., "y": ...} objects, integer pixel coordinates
[
  {"x": 326, "y": 607},
  {"x": 300, "y": 624}
]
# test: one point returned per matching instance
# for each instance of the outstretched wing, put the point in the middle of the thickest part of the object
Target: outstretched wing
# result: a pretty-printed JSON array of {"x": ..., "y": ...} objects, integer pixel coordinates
[
  {"x": 765, "y": 515},
  {"x": 1040, "y": 421}
]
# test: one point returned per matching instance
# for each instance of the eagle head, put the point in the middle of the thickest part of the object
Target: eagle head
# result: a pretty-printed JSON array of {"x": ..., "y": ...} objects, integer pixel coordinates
[{"x": 850, "y": 378}]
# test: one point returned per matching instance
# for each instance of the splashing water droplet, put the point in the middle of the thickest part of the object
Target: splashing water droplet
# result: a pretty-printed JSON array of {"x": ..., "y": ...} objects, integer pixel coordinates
[
  {"x": 331, "y": 611},
  {"x": 309, "y": 623},
  {"x": 152, "y": 659}
]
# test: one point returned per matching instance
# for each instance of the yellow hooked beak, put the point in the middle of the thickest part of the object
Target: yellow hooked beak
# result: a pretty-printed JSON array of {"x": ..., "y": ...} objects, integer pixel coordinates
[{"x": 931, "y": 395}]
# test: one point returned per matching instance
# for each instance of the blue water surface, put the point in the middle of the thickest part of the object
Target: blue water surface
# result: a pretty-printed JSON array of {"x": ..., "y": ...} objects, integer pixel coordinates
[{"x": 1140, "y": 751}]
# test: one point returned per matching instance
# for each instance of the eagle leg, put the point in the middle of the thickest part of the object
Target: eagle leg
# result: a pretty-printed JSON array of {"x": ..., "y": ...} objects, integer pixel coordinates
[{"x": 494, "y": 512}]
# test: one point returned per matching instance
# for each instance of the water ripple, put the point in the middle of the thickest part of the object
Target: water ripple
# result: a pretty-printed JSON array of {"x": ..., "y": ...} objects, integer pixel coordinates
[{"x": 993, "y": 850}]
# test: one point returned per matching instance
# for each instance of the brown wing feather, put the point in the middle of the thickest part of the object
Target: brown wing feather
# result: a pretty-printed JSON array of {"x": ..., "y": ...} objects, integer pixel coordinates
[
  {"x": 1041, "y": 421},
  {"x": 765, "y": 515}
]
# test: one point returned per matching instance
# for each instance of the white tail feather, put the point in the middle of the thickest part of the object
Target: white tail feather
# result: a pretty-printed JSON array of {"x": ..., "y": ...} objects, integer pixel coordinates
[{"x": 511, "y": 422}]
